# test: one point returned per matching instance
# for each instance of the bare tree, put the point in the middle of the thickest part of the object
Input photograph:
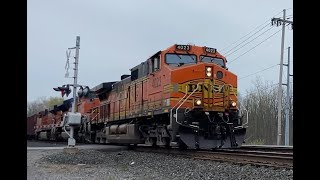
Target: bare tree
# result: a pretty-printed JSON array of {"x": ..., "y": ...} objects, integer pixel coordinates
[
  {"x": 261, "y": 103},
  {"x": 50, "y": 102}
]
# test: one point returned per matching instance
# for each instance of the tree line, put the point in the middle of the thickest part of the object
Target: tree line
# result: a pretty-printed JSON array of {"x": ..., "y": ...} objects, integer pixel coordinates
[
  {"x": 41, "y": 104},
  {"x": 261, "y": 101}
]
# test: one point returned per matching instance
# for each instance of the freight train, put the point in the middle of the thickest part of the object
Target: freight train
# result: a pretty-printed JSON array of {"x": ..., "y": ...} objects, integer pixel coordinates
[{"x": 182, "y": 96}]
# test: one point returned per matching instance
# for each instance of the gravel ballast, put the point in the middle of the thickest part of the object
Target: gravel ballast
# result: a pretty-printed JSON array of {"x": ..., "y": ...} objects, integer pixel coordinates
[{"x": 93, "y": 164}]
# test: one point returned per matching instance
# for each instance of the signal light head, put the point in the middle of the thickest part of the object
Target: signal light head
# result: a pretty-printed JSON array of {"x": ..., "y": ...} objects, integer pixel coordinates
[{"x": 65, "y": 90}]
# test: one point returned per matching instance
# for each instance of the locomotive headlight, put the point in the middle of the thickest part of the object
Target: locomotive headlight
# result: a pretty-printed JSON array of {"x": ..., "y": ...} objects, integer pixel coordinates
[
  {"x": 209, "y": 71},
  {"x": 233, "y": 104},
  {"x": 198, "y": 102}
]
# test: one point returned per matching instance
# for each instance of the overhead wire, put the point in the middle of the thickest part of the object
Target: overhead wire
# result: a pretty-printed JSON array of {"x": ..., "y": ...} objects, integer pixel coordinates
[
  {"x": 248, "y": 42},
  {"x": 243, "y": 36},
  {"x": 248, "y": 38},
  {"x": 265, "y": 25},
  {"x": 249, "y": 33},
  {"x": 258, "y": 71},
  {"x": 255, "y": 46}
]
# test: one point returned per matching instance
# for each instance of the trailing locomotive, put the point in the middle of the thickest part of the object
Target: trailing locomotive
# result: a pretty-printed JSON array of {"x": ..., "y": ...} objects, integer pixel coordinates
[
  {"x": 50, "y": 124},
  {"x": 182, "y": 96}
]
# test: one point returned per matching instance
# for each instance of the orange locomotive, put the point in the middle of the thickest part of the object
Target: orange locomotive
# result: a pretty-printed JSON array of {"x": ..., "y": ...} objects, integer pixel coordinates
[
  {"x": 51, "y": 125},
  {"x": 182, "y": 96}
]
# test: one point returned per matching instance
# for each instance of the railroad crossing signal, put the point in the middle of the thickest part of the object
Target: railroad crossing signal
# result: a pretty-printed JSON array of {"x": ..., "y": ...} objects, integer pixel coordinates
[{"x": 65, "y": 90}]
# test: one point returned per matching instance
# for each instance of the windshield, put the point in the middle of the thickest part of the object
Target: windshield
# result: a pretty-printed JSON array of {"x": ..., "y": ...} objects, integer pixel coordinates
[
  {"x": 181, "y": 59},
  {"x": 215, "y": 60}
]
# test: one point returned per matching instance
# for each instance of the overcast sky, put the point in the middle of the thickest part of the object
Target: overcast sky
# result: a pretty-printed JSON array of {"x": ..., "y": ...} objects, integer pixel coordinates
[{"x": 117, "y": 35}]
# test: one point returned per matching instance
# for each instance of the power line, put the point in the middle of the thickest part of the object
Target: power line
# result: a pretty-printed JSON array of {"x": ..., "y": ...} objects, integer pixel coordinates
[
  {"x": 248, "y": 42},
  {"x": 291, "y": 15},
  {"x": 255, "y": 46},
  {"x": 249, "y": 33},
  {"x": 244, "y": 36},
  {"x": 247, "y": 39},
  {"x": 258, "y": 72}
]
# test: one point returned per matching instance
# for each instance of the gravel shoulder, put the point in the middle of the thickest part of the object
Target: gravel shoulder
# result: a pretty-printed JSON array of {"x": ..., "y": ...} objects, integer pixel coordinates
[{"x": 99, "y": 164}]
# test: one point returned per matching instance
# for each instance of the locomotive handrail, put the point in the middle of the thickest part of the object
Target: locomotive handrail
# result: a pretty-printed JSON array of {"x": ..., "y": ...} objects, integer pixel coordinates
[
  {"x": 246, "y": 113},
  {"x": 177, "y": 104},
  {"x": 64, "y": 125},
  {"x": 94, "y": 109},
  {"x": 64, "y": 128},
  {"x": 94, "y": 117},
  {"x": 184, "y": 102}
]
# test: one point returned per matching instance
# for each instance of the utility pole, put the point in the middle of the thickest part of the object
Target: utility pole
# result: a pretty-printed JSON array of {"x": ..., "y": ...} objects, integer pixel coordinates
[
  {"x": 283, "y": 22},
  {"x": 286, "y": 140},
  {"x": 280, "y": 82}
]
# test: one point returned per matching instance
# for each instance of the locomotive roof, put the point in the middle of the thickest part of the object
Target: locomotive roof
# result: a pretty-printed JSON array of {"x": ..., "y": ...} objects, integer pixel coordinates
[
  {"x": 63, "y": 106},
  {"x": 136, "y": 67},
  {"x": 103, "y": 87}
]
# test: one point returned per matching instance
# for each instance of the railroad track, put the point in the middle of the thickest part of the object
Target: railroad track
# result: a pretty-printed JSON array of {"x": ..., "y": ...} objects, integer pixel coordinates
[
  {"x": 268, "y": 148},
  {"x": 271, "y": 157}
]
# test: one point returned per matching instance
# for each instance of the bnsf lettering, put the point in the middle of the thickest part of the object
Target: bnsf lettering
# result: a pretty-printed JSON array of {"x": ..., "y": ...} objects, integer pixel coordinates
[
  {"x": 217, "y": 88},
  {"x": 205, "y": 87}
]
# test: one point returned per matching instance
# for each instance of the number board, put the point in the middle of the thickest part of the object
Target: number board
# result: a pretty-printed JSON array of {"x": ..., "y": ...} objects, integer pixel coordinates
[
  {"x": 210, "y": 50},
  {"x": 183, "y": 47}
]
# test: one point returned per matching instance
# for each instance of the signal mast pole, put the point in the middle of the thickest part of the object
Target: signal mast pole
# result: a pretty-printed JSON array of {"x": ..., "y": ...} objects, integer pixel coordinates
[
  {"x": 73, "y": 118},
  {"x": 75, "y": 82},
  {"x": 74, "y": 104}
]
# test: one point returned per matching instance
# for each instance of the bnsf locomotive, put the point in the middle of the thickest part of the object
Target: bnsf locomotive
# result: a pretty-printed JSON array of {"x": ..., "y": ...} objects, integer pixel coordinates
[{"x": 183, "y": 96}]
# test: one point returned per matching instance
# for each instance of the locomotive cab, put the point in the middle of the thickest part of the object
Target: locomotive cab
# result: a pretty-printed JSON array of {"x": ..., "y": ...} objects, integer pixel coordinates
[{"x": 204, "y": 109}]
